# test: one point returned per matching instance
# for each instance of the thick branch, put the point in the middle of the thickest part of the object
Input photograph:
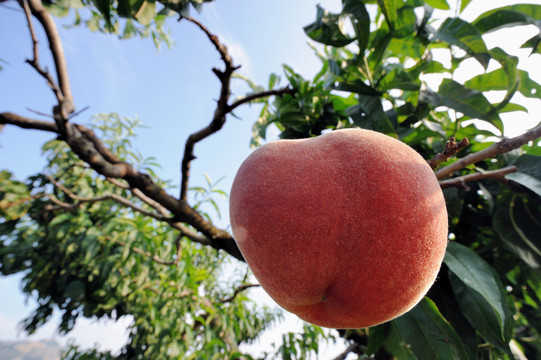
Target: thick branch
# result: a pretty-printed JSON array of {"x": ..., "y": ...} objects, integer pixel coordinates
[
  {"x": 461, "y": 181},
  {"x": 498, "y": 148},
  {"x": 451, "y": 149},
  {"x": 91, "y": 150}
]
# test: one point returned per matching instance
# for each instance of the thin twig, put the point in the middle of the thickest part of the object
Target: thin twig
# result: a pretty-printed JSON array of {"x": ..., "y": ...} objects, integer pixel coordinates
[
  {"x": 114, "y": 197},
  {"x": 451, "y": 149},
  {"x": 77, "y": 113},
  {"x": 222, "y": 107},
  {"x": 186, "y": 231},
  {"x": 148, "y": 254},
  {"x": 353, "y": 348},
  {"x": 40, "y": 113},
  {"x": 492, "y": 151},
  {"x": 259, "y": 95},
  {"x": 461, "y": 181},
  {"x": 238, "y": 291}
]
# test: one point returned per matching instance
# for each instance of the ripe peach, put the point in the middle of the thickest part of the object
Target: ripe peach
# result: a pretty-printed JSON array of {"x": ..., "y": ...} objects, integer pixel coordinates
[{"x": 346, "y": 230}]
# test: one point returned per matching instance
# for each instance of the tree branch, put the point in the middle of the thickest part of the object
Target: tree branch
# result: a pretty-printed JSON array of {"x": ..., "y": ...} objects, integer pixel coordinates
[
  {"x": 238, "y": 291},
  {"x": 461, "y": 181},
  {"x": 353, "y": 348},
  {"x": 148, "y": 254},
  {"x": 451, "y": 149},
  {"x": 221, "y": 111},
  {"x": 192, "y": 235},
  {"x": 35, "y": 50},
  {"x": 119, "y": 199},
  {"x": 27, "y": 123},
  {"x": 498, "y": 148},
  {"x": 63, "y": 89},
  {"x": 90, "y": 149},
  {"x": 259, "y": 95}
]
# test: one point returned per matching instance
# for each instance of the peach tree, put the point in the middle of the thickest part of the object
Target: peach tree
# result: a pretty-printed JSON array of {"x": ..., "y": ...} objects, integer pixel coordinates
[{"x": 98, "y": 234}]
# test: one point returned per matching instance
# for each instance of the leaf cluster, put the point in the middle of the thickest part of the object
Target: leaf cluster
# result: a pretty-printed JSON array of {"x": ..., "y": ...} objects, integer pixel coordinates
[
  {"x": 98, "y": 259},
  {"x": 382, "y": 69},
  {"x": 127, "y": 18}
]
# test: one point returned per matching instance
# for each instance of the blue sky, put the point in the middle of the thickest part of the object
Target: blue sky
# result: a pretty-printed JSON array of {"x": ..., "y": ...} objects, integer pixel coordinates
[{"x": 173, "y": 92}]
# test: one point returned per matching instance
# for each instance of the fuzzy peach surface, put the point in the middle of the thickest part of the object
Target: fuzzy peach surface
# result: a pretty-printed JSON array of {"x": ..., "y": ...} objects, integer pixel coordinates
[{"x": 346, "y": 230}]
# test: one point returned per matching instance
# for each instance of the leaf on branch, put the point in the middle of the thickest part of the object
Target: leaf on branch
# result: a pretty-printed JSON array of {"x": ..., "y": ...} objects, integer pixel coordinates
[
  {"x": 458, "y": 32},
  {"x": 361, "y": 21},
  {"x": 430, "y": 336},
  {"x": 508, "y": 16},
  {"x": 369, "y": 114},
  {"x": 327, "y": 29},
  {"x": 480, "y": 294},
  {"x": 438, "y": 4},
  {"x": 516, "y": 221},
  {"x": 529, "y": 173},
  {"x": 471, "y": 103}
]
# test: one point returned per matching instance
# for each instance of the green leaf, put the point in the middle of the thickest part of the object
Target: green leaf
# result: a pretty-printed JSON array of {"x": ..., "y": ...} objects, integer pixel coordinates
[
  {"x": 510, "y": 107},
  {"x": 398, "y": 78},
  {"x": 518, "y": 227},
  {"x": 326, "y": 29},
  {"x": 273, "y": 80},
  {"x": 458, "y": 32},
  {"x": 104, "y": 7},
  {"x": 369, "y": 114},
  {"x": 469, "y": 102},
  {"x": 405, "y": 23},
  {"x": 146, "y": 12},
  {"x": 508, "y": 16},
  {"x": 389, "y": 8},
  {"x": 429, "y": 335},
  {"x": 480, "y": 294},
  {"x": 494, "y": 80},
  {"x": 438, "y": 4},
  {"x": 395, "y": 345},
  {"x": 528, "y": 87},
  {"x": 376, "y": 338},
  {"x": 534, "y": 43},
  {"x": 529, "y": 173},
  {"x": 360, "y": 20},
  {"x": 358, "y": 87},
  {"x": 464, "y": 4},
  {"x": 75, "y": 290}
]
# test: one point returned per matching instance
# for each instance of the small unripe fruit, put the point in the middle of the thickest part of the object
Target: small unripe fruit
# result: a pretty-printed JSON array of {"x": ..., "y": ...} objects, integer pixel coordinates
[{"x": 346, "y": 230}]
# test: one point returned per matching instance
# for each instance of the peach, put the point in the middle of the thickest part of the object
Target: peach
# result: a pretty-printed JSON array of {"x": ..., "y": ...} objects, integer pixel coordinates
[{"x": 345, "y": 230}]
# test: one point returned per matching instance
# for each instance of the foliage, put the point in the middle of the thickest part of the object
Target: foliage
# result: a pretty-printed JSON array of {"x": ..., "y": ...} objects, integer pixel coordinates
[
  {"x": 380, "y": 78},
  {"x": 126, "y": 18},
  {"x": 94, "y": 258},
  {"x": 88, "y": 255}
]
